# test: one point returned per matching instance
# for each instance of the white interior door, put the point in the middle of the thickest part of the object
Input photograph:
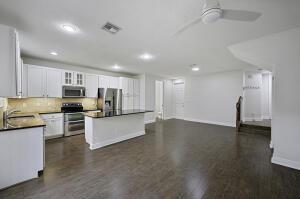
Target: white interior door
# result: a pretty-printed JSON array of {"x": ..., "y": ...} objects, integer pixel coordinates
[{"x": 179, "y": 100}]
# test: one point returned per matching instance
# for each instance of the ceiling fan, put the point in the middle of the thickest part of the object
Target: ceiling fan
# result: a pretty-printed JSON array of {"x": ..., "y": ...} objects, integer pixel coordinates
[{"x": 212, "y": 11}]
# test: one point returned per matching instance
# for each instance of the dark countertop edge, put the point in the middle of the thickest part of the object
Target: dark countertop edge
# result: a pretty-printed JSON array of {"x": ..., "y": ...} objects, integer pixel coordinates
[
  {"x": 57, "y": 112},
  {"x": 118, "y": 115},
  {"x": 23, "y": 127}
]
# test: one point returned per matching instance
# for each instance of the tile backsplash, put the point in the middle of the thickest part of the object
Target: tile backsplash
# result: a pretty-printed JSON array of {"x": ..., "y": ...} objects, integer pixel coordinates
[
  {"x": 3, "y": 105},
  {"x": 27, "y": 105}
]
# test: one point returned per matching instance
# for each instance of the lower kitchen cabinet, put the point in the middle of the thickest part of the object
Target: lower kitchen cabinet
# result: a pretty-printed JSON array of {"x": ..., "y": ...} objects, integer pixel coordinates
[{"x": 54, "y": 125}]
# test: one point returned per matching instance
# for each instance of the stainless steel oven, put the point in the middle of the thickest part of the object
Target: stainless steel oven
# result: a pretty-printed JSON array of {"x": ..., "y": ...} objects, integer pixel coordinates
[
  {"x": 73, "y": 118},
  {"x": 74, "y": 123},
  {"x": 73, "y": 91}
]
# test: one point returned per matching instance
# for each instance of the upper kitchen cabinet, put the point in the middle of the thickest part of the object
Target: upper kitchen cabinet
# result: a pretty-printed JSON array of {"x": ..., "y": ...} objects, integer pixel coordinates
[
  {"x": 114, "y": 82},
  {"x": 91, "y": 85},
  {"x": 71, "y": 78},
  {"x": 36, "y": 86},
  {"x": 103, "y": 81},
  {"x": 43, "y": 82},
  {"x": 68, "y": 77},
  {"x": 79, "y": 79},
  {"x": 10, "y": 63},
  {"x": 53, "y": 84}
]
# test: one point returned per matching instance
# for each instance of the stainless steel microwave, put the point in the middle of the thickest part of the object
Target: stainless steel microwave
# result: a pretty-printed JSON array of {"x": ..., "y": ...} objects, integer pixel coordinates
[{"x": 73, "y": 91}]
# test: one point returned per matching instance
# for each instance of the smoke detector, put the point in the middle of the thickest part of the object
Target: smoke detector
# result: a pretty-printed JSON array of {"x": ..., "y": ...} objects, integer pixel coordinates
[{"x": 111, "y": 28}]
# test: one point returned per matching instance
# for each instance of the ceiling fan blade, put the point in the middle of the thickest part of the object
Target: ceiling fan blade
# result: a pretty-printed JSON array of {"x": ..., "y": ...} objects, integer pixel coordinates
[
  {"x": 240, "y": 15},
  {"x": 188, "y": 25}
]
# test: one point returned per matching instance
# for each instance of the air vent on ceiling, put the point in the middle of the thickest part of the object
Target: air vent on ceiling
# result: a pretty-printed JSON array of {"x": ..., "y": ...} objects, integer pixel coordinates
[{"x": 111, "y": 28}]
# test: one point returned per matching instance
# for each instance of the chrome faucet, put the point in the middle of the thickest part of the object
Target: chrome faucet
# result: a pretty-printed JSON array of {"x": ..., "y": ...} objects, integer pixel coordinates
[{"x": 7, "y": 114}]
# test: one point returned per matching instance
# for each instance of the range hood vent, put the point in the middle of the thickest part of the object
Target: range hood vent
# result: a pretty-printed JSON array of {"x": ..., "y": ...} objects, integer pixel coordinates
[{"x": 111, "y": 28}]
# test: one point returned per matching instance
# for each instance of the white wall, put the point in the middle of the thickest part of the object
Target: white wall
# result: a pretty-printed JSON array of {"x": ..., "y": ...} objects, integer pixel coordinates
[
  {"x": 280, "y": 51},
  {"x": 212, "y": 98},
  {"x": 148, "y": 94}
]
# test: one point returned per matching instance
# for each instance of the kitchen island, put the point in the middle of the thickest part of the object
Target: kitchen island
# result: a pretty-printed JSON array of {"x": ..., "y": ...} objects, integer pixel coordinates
[{"x": 109, "y": 127}]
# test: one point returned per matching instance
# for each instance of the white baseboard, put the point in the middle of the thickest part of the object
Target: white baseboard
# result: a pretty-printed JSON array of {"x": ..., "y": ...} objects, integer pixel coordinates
[
  {"x": 149, "y": 121},
  {"x": 286, "y": 162},
  {"x": 113, "y": 141},
  {"x": 211, "y": 122}
]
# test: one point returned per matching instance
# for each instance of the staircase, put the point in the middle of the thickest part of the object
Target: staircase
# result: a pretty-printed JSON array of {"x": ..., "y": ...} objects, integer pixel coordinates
[
  {"x": 260, "y": 127},
  {"x": 255, "y": 129}
]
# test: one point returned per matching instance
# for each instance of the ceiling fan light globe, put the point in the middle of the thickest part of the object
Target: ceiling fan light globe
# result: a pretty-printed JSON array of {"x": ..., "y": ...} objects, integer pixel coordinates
[{"x": 211, "y": 15}]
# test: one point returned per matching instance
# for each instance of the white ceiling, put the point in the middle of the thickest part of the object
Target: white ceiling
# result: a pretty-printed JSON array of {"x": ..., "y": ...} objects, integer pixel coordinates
[{"x": 147, "y": 26}]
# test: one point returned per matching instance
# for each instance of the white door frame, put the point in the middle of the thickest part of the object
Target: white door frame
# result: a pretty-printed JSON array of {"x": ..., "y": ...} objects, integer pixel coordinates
[{"x": 161, "y": 98}]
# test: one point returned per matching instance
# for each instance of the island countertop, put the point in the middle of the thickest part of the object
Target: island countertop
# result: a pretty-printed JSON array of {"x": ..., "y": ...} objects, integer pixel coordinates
[{"x": 115, "y": 113}]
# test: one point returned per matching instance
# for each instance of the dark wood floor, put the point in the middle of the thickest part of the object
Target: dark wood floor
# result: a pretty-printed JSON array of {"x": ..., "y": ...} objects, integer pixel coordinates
[{"x": 175, "y": 159}]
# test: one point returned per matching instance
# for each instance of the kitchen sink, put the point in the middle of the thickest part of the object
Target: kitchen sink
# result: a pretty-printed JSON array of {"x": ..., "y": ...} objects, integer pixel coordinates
[{"x": 21, "y": 117}]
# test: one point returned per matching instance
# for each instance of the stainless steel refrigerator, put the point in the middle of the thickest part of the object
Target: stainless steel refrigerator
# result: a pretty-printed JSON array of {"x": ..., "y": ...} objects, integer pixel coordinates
[{"x": 109, "y": 99}]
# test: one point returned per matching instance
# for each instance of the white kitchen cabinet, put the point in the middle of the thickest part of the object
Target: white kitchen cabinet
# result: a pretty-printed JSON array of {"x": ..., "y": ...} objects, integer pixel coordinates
[
  {"x": 36, "y": 81},
  {"x": 53, "y": 82},
  {"x": 103, "y": 81},
  {"x": 54, "y": 125},
  {"x": 10, "y": 63},
  {"x": 68, "y": 77},
  {"x": 71, "y": 78},
  {"x": 114, "y": 82},
  {"x": 21, "y": 155},
  {"x": 129, "y": 98},
  {"x": 78, "y": 79},
  {"x": 43, "y": 82},
  {"x": 136, "y": 94},
  {"x": 91, "y": 85},
  {"x": 123, "y": 84}
]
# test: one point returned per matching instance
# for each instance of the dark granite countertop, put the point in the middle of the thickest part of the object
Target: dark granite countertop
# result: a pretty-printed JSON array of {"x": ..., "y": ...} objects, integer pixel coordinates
[
  {"x": 115, "y": 113},
  {"x": 54, "y": 112},
  {"x": 22, "y": 121}
]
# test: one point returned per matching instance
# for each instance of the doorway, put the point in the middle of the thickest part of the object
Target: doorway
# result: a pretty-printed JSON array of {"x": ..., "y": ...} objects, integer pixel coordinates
[
  {"x": 257, "y": 97},
  {"x": 159, "y": 93},
  {"x": 179, "y": 99}
]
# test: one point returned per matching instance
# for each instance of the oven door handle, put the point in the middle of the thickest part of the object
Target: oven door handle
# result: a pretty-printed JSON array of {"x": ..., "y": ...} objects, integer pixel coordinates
[{"x": 72, "y": 122}]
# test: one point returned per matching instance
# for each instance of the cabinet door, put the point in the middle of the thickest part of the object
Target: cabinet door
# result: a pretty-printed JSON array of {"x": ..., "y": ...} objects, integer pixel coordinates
[
  {"x": 79, "y": 79},
  {"x": 91, "y": 85},
  {"x": 67, "y": 77},
  {"x": 130, "y": 102},
  {"x": 103, "y": 81},
  {"x": 130, "y": 87},
  {"x": 136, "y": 102},
  {"x": 114, "y": 82},
  {"x": 54, "y": 83},
  {"x": 54, "y": 125},
  {"x": 36, "y": 81},
  {"x": 136, "y": 87},
  {"x": 124, "y": 86}
]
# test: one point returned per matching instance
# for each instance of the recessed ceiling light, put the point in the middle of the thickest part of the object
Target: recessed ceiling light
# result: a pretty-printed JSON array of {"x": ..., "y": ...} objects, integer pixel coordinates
[
  {"x": 69, "y": 28},
  {"x": 195, "y": 67},
  {"x": 54, "y": 53},
  {"x": 116, "y": 67},
  {"x": 146, "y": 56}
]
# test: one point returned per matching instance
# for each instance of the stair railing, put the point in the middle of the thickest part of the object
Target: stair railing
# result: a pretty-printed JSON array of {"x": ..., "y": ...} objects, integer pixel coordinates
[{"x": 238, "y": 114}]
